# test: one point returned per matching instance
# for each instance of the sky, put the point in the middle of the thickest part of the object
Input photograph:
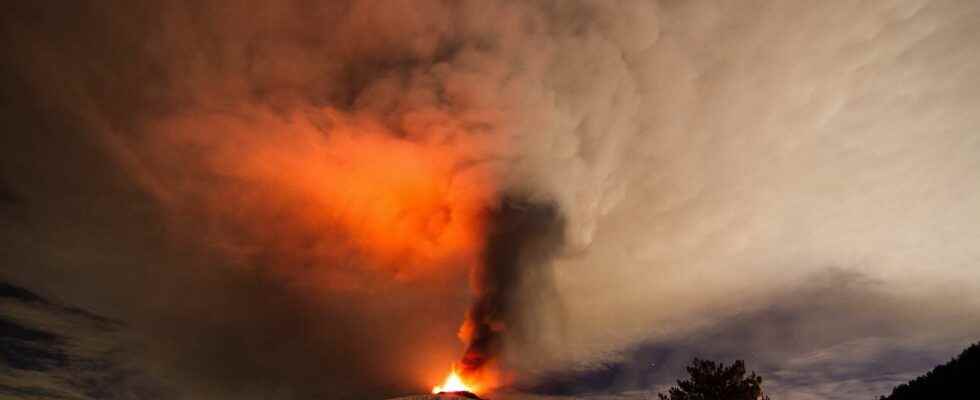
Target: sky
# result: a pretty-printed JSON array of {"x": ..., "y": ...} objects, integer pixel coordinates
[{"x": 338, "y": 199}]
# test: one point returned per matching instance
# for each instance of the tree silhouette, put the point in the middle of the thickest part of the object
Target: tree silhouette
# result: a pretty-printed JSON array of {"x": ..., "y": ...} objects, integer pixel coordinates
[{"x": 715, "y": 381}]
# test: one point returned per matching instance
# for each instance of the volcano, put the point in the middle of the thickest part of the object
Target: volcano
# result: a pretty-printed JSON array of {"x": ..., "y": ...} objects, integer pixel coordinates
[
  {"x": 460, "y": 393},
  {"x": 456, "y": 395}
]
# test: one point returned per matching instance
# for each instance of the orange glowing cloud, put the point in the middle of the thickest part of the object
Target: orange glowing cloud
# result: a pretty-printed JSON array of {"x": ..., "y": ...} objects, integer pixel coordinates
[{"x": 326, "y": 187}]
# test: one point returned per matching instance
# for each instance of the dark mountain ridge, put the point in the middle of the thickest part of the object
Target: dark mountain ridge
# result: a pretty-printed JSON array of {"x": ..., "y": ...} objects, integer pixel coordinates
[{"x": 956, "y": 379}]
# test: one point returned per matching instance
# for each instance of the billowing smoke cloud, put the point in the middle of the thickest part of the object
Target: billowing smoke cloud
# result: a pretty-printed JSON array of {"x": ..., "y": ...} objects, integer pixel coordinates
[{"x": 295, "y": 192}]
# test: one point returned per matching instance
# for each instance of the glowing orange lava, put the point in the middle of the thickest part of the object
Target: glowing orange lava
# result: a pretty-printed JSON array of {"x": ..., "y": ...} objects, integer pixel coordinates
[{"x": 453, "y": 383}]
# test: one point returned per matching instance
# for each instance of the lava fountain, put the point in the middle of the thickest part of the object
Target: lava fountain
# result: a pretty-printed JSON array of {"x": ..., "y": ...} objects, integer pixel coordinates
[{"x": 453, "y": 383}]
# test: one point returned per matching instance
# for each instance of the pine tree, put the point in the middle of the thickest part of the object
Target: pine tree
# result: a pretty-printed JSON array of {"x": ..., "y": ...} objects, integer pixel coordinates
[{"x": 715, "y": 381}]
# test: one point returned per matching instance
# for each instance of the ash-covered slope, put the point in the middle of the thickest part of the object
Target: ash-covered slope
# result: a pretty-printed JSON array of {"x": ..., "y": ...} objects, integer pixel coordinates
[
  {"x": 52, "y": 351},
  {"x": 502, "y": 395},
  {"x": 442, "y": 396}
]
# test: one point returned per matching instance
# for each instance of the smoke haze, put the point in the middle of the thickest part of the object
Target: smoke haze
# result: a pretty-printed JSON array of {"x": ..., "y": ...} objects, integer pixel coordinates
[{"x": 287, "y": 200}]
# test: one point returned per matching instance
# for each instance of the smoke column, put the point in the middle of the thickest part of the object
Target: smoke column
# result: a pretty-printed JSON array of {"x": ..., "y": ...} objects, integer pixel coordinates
[{"x": 523, "y": 235}]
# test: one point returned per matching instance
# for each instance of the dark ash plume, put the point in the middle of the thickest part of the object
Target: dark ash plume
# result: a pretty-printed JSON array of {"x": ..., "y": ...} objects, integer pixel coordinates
[{"x": 522, "y": 235}]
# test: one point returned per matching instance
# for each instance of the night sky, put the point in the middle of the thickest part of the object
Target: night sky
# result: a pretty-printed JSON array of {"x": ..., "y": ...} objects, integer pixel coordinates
[{"x": 572, "y": 199}]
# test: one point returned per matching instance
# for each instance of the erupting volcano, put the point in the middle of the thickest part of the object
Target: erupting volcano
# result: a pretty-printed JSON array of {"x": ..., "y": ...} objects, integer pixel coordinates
[
  {"x": 521, "y": 236},
  {"x": 454, "y": 384}
]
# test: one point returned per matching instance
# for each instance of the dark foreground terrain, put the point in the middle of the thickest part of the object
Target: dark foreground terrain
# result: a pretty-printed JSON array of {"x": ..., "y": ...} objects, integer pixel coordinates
[{"x": 956, "y": 379}]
